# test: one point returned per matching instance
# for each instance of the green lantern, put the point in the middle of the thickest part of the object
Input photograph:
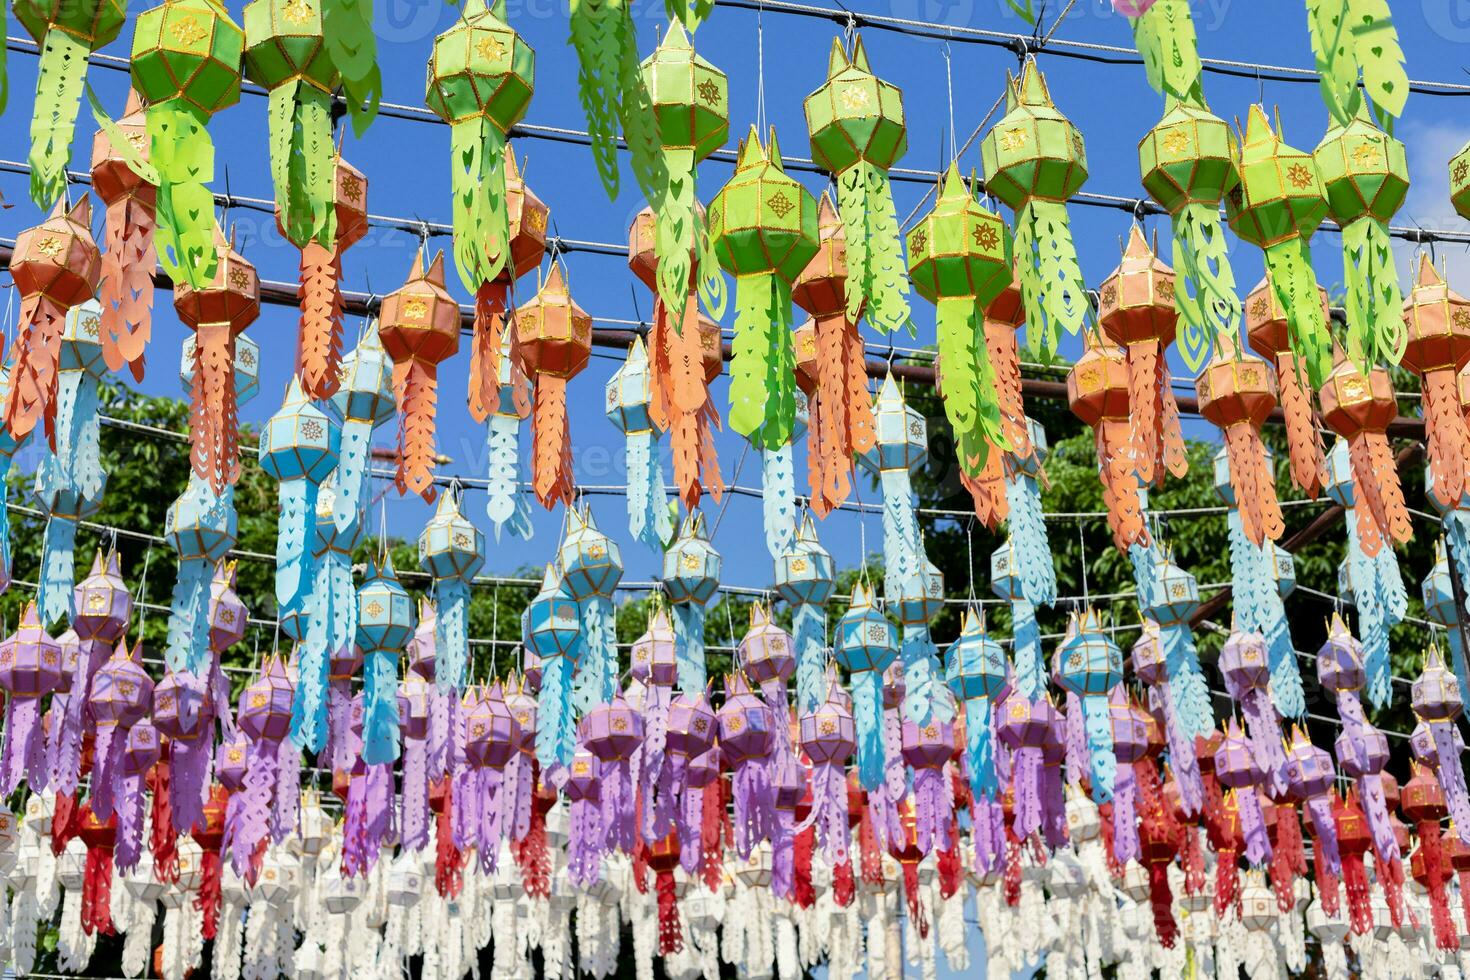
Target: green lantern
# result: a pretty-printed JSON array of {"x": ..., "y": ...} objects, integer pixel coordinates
[
  {"x": 764, "y": 228},
  {"x": 481, "y": 76},
  {"x": 1034, "y": 161},
  {"x": 960, "y": 260},
  {"x": 691, "y": 107},
  {"x": 286, "y": 53},
  {"x": 66, "y": 31},
  {"x": 1365, "y": 177},
  {"x": 1277, "y": 205},
  {"x": 1188, "y": 165},
  {"x": 857, "y": 133},
  {"x": 1460, "y": 181},
  {"x": 186, "y": 64}
]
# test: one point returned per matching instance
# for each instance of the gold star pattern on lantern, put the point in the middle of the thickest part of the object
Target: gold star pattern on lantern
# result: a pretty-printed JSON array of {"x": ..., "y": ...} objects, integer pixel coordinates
[
  {"x": 709, "y": 92},
  {"x": 986, "y": 237},
  {"x": 297, "y": 12},
  {"x": 489, "y": 48},
  {"x": 187, "y": 31},
  {"x": 1177, "y": 141},
  {"x": 49, "y": 247},
  {"x": 1013, "y": 139},
  {"x": 1299, "y": 176}
]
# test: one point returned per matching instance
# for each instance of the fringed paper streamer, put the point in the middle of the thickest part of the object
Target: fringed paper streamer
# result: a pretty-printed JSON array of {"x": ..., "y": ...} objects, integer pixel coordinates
[
  {"x": 603, "y": 36},
  {"x": 364, "y": 398},
  {"x": 1436, "y": 341},
  {"x": 1370, "y": 581},
  {"x": 612, "y": 732},
  {"x": 778, "y": 495},
  {"x": 121, "y": 696},
  {"x": 65, "y": 37},
  {"x": 629, "y": 393},
  {"x": 200, "y": 526},
  {"x": 452, "y": 550},
  {"x": 691, "y": 576},
  {"x": 746, "y": 740},
  {"x": 384, "y": 625},
  {"x": 553, "y": 343},
  {"x": 765, "y": 259},
  {"x": 556, "y": 634},
  {"x": 320, "y": 291},
  {"x": 139, "y": 755},
  {"x": 123, "y": 180},
  {"x": 1022, "y": 571},
  {"x": 867, "y": 644},
  {"x": 1089, "y": 664},
  {"x": 1098, "y": 391},
  {"x": 856, "y": 124}
]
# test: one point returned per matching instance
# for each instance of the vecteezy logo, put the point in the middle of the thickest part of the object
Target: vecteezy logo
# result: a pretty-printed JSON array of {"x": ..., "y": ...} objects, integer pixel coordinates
[
  {"x": 1450, "y": 19},
  {"x": 952, "y": 13}
]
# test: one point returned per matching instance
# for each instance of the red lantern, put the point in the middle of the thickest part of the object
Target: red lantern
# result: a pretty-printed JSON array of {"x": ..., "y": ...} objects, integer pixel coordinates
[
  {"x": 99, "y": 836},
  {"x": 1423, "y": 804},
  {"x": 663, "y": 858}
]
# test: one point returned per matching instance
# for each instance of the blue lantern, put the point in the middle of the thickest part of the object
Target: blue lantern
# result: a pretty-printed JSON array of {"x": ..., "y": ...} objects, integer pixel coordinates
[
  {"x": 805, "y": 576},
  {"x": 591, "y": 567},
  {"x": 506, "y": 505},
  {"x": 778, "y": 484},
  {"x": 452, "y": 550},
  {"x": 866, "y": 645},
  {"x": 555, "y": 634},
  {"x": 1372, "y": 583},
  {"x": 1089, "y": 664},
  {"x": 365, "y": 401},
  {"x": 385, "y": 621},
  {"x": 691, "y": 577},
  {"x": 629, "y": 392},
  {"x": 1439, "y": 607},
  {"x": 200, "y": 527},
  {"x": 976, "y": 671},
  {"x": 69, "y": 478}
]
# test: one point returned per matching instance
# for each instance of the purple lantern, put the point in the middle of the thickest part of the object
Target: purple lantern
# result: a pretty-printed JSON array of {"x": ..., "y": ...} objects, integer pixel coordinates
[
  {"x": 183, "y": 712},
  {"x": 1150, "y": 663},
  {"x": 1130, "y": 743},
  {"x": 1027, "y": 728},
  {"x": 103, "y": 608},
  {"x": 30, "y": 668},
  {"x": 492, "y": 740},
  {"x": 1435, "y": 696},
  {"x": 690, "y": 736},
  {"x": 230, "y": 763},
  {"x": 926, "y": 748},
  {"x": 1245, "y": 662},
  {"x": 139, "y": 755},
  {"x": 121, "y": 696},
  {"x": 613, "y": 732},
  {"x": 415, "y": 706},
  {"x": 265, "y": 720},
  {"x": 747, "y": 741},
  {"x": 829, "y": 739},
  {"x": 227, "y": 621},
  {"x": 1236, "y": 767},
  {"x": 655, "y": 666},
  {"x": 583, "y": 789},
  {"x": 1310, "y": 774}
]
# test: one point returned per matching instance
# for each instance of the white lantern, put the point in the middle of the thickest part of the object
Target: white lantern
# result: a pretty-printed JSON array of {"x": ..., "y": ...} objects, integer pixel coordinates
[
  {"x": 28, "y": 859},
  {"x": 1084, "y": 822},
  {"x": 1135, "y": 882},
  {"x": 405, "y": 882},
  {"x": 561, "y": 899},
  {"x": 1065, "y": 878},
  {"x": 1327, "y": 928},
  {"x": 232, "y": 887},
  {"x": 276, "y": 884},
  {"x": 39, "y": 809},
  {"x": 1258, "y": 905},
  {"x": 700, "y": 912},
  {"x": 313, "y": 826},
  {"x": 755, "y": 872},
  {"x": 558, "y": 824},
  {"x": 1199, "y": 927},
  {"x": 140, "y": 882},
  {"x": 71, "y": 869},
  {"x": 341, "y": 893}
]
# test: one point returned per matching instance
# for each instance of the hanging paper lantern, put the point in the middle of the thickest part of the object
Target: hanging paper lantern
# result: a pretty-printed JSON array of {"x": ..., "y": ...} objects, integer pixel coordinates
[
  {"x": 592, "y": 565},
  {"x": 1089, "y": 664},
  {"x": 976, "y": 672},
  {"x": 1270, "y": 333},
  {"x": 1277, "y": 206},
  {"x": 654, "y": 664},
  {"x": 684, "y": 357},
  {"x": 840, "y": 414},
  {"x": 1098, "y": 391},
  {"x": 1263, "y": 575},
  {"x": 1034, "y": 161},
  {"x": 691, "y": 576},
  {"x": 419, "y": 328},
  {"x": 1310, "y": 774},
  {"x": 746, "y": 736},
  {"x": 1436, "y": 347},
  {"x": 319, "y": 347},
  {"x": 1244, "y": 664},
  {"x": 829, "y": 738},
  {"x": 363, "y": 396},
  {"x": 689, "y": 101},
  {"x": 527, "y": 218},
  {"x": 266, "y": 718},
  {"x": 1236, "y": 394},
  {"x": 1021, "y": 569},
  {"x": 384, "y": 626},
  {"x": 805, "y": 578},
  {"x": 128, "y": 259},
  {"x": 866, "y": 646},
  {"x": 764, "y": 227},
  {"x": 55, "y": 266},
  {"x": 186, "y": 65},
  {"x": 553, "y": 343},
  {"x": 1371, "y": 581},
  {"x": 183, "y": 712},
  {"x": 856, "y": 124},
  {"x": 66, "y": 35},
  {"x": 1136, "y": 308},
  {"x": 1129, "y": 733},
  {"x": 121, "y": 696},
  {"x": 505, "y": 503},
  {"x": 103, "y": 608},
  {"x": 1164, "y": 658},
  {"x": 285, "y": 53},
  {"x": 1436, "y": 700},
  {"x": 557, "y": 634},
  {"x": 30, "y": 668},
  {"x": 1237, "y": 769},
  {"x": 926, "y": 748},
  {"x": 1438, "y": 594},
  {"x": 217, "y": 309},
  {"x": 139, "y": 754},
  {"x": 481, "y": 75},
  {"x": 1027, "y": 727},
  {"x": 628, "y": 394},
  {"x": 452, "y": 550},
  {"x": 960, "y": 260},
  {"x": 612, "y": 732},
  {"x": 1423, "y": 804},
  {"x": 70, "y": 479},
  {"x": 1188, "y": 166}
]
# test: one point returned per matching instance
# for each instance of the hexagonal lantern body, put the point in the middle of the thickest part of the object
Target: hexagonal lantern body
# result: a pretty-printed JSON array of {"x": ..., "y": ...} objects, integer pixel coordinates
[
  {"x": 227, "y": 614},
  {"x": 1235, "y": 760},
  {"x": 265, "y": 705},
  {"x": 922, "y": 597},
  {"x": 1021, "y": 723},
  {"x": 762, "y": 221},
  {"x": 744, "y": 723},
  {"x": 1177, "y": 594},
  {"x": 766, "y": 652},
  {"x": 1352, "y": 403},
  {"x": 854, "y": 115},
  {"x": 58, "y": 258},
  {"x": 654, "y": 657},
  {"x": 1147, "y": 655},
  {"x": 1129, "y": 724},
  {"x": 591, "y": 562},
  {"x": 1245, "y": 660},
  {"x": 628, "y": 392},
  {"x": 284, "y": 43},
  {"x": 866, "y": 639},
  {"x": 1364, "y": 171},
  {"x": 102, "y": 600},
  {"x": 1459, "y": 168},
  {"x": 1097, "y": 385},
  {"x": 491, "y": 731},
  {"x": 415, "y": 703},
  {"x": 690, "y": 97},
  {"x": 553, "y": 333},
  {"x": 450, "y": 545},
  {"x": 1267, "y": 327},
  {"x": 1188, "y": 157},
  {"x": 902, "y": 441},
  {"x": 1033, "y": 151},
  {"x": 230, "y": 299},
  {"x": 553, "y": 621},
  {"x": 481, "y": 67},
  {"x": 1435, "y": 693},
  {"x": 691, "y": 726},
  {"x": 189, "y": 50},
  {"x": 612, "y": 731},
  {"x": 975, "y": 666},
  {"x": 1136, "y": 301},
  {"x": 928, "y": 746},
  {"x": 1309, "y": 770},
  {"x": 1087, "y": 662},
  {"x": 828, "y": 735},
  {"x": 1438, "y": 591},
  {"x": 807, "y": 572},
  {"x": 959, "y": 248},
  {"x": 1280, "y": 192},
  {"x": 692, "y": 566},
  {"x": 300, "y": 442},
  {"x": 1340, "y": 659},
  {"x": 385, "y": 619},
  {"x": 122, "y": 691}
]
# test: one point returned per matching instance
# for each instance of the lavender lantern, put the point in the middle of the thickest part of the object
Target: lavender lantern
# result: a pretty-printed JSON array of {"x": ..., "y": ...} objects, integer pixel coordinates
[
  {"x": 1309, "y": 776},
  {"x": 492, "y": 739},
  {"x": 103, "y": 608},
  {"x": 1130, "y": 743},
  {"x": 1236, "y": 768},
  {"x": 746, "y": 740},
  {"x": 139, "y": 754},
  {"x": 415, "y": 706},
  {"x": 926, "y": 749},
  {"x": 1151, "y": 666},
  {"x": 226, "y": 618},
  {"x": 264, "y": 719},
  {"x": 613, "y": 732},
  {"x": 122, "y": 695},
  {"x": 583, "y": 789},
  {"x": 184, "y": 713},
  {"x": 655, "y": 665},
  {"x": 1436, "y": 699},
  {"x": 690, "y": 737},
  {"x": 30, "y": 668},
  {"x": 829, "y": 738},
  {"x": 1246, "y": 666},
  {"x": 1026, "y": 727}
]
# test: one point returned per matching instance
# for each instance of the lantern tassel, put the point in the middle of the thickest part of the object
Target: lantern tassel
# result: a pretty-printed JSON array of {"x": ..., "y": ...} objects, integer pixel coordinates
[
  {"x": 414, "y": 384},
  {"x": 188, "y": 615},
  {"x": 689, "y": 646},
  {"x": 1374, "y": 301},
  {"x": 876, "y": 276},
  {"x": 778, "y": 499},
  {"x": 552, "y": 440},
  {"x": 763, "y": 362},
  {"x": 63, "y": 70},
  {"x": 867, "y": 716},
  {"x": 1289, "y": 270},
  {"x": 1446, "y": 435},
  {"x": 320, "y": 294},
  {"x": 1103, "y": 764},
  {"x": 1303, "y": 441},
  {"x": 1208, "y": 304},
  {"x": 675, "y": 220},
  {"x": 214, "y": 448},
  {"x": 1052, "y": 288},
  {"x": 33, "y": 372},
  {"x": 183, "y": 154},
  {"x": 485, "y": 353},
  {"x": 481, "y": 219},
  {"x": 810, "y": 627},
  {"x": 451, "y": 637},
  {"x": 57, "y": 569},
  {"x": 300, "y": 127},
  {"x": 555, "y": 723},
  {"x": 979, "y": 750}
]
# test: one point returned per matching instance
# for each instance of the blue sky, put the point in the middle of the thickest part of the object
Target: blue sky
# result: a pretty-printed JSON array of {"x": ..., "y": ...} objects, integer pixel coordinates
[{"x": 408, "y": 170}]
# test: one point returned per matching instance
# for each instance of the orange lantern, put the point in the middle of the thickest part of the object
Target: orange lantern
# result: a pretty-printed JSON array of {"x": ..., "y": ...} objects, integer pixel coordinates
[
  {"x": 1269, "y": 332},
  {"x": 684, "y": 358},
  {"x": 552, "y": 343},
  {"x": 217, "y": 312},
  {"x": 129, "y": 259},
  {"x": 528, "y": 218},
  {"x": 1136, "y": 309},
  {"x": 1359, "y": 408},
  {"x": 55, "y": 266},
  {"x": 1004, "y": 318},
  {"x": 840, "y": 413},
  {"x": 319, "y": 352},
  {"x": 1097, "y": 388},
  {"x": 1237, "y": 394},
  {"x": 1436, "y": 347},
  {"x": 419, "y": 328}
]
